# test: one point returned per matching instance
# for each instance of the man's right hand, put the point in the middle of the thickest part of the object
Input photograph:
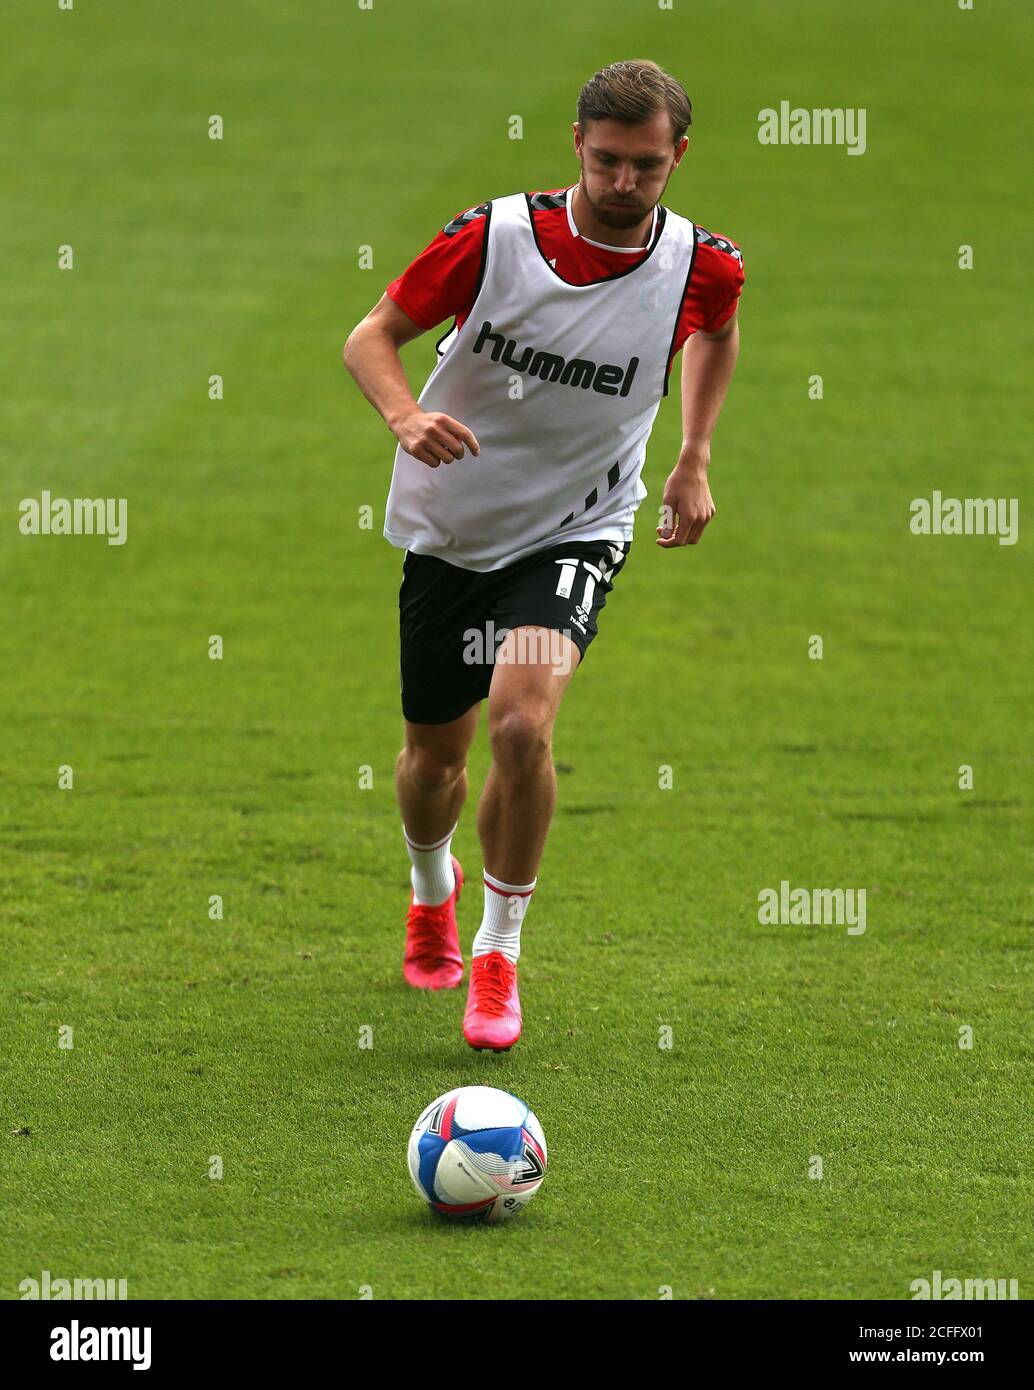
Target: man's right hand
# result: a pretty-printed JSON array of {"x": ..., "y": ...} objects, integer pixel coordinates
[{"x": 434, "y": 438}]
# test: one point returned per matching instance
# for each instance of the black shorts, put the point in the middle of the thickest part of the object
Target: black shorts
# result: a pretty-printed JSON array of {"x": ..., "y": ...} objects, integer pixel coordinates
[{"x": 451, "y": 620}]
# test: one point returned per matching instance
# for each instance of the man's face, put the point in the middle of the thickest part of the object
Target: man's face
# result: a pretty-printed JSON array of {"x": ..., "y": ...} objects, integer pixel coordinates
[{"x": 625, "y": 168}]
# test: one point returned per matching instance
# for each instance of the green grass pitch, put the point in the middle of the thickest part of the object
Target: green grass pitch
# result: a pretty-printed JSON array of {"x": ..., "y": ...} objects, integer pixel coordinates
[{"x": 684, "y": 1168}]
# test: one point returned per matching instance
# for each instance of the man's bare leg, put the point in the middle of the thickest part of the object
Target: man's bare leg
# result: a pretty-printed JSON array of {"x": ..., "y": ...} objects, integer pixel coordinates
[
  {"x": 431, "y": 775},
  {"x": 519, "y": 795}
]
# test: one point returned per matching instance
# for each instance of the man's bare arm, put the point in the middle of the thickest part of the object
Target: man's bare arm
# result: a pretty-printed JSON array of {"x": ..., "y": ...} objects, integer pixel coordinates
[
  {"x": 372, "y": 357},
  {"x": 708, "y": 360}
]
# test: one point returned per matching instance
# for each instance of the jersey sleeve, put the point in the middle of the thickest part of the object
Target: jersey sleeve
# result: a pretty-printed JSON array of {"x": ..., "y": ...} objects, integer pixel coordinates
[
  {"x": 713, "y": 290},
  {"x": 443, "y": 280},
  {"x": 721, "y": 283}
]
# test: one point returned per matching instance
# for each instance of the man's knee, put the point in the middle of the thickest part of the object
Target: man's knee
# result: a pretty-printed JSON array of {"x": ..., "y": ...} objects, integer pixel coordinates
[
  {"x": 435, "y": 755},
  {"x": 431, "y": 767},
  {"x": 522, "y": 734}
]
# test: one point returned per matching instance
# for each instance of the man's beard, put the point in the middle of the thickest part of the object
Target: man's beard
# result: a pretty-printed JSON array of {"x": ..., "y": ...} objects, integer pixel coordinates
[{"x": 617, "y": 219}]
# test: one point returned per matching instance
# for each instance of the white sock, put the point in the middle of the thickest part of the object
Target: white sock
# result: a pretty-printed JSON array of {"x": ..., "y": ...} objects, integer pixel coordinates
[
  {"x": 505, "y": 906},
  {"x": 432, "y": 876}
]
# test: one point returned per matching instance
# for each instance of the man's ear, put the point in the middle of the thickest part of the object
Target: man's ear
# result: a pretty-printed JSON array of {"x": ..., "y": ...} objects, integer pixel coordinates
[{"x": 680, "y": 150}]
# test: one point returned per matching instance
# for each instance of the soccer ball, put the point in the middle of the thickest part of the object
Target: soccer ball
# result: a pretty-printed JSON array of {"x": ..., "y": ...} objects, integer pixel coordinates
[{"x": 477, "y": 1154}]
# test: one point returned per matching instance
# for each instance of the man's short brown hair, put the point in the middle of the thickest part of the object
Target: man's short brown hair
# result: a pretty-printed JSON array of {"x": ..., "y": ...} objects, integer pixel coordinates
[{"x": 633, "y": 92}]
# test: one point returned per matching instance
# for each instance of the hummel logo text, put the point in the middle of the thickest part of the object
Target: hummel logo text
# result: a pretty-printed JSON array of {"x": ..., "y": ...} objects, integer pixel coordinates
[{"x": 606, "y": 378}]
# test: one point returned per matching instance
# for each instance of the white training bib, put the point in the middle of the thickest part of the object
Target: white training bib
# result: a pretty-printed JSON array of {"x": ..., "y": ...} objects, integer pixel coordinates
[{"x": 560, "y": 384}]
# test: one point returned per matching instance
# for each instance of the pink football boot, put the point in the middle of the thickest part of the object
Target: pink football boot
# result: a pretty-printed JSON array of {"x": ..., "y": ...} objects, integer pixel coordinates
[
  {"x": 493, "y": 1015},
  {"x": 433, "y": 958}
]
